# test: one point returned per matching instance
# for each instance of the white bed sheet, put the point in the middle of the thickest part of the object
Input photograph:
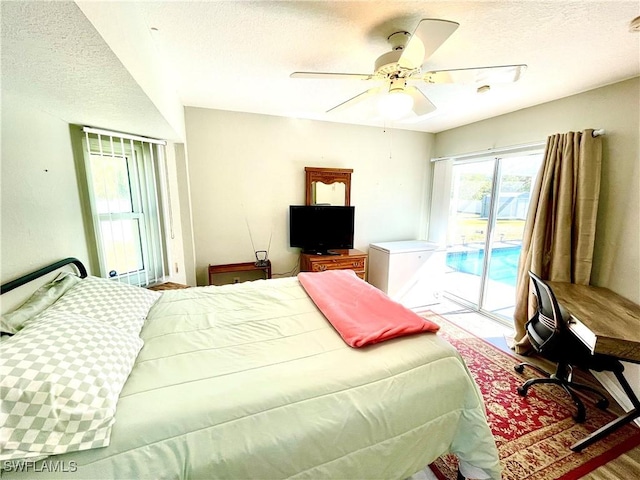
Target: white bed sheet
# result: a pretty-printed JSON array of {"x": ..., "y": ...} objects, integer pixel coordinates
[{"x": 250, "y": 381}]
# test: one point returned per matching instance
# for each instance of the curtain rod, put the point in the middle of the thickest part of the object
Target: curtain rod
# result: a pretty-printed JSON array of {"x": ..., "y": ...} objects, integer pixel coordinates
[
  {"x": 491, "y": 151},
  {"x": 512, "y": 149},
  {"x": 127, "y": 136}
]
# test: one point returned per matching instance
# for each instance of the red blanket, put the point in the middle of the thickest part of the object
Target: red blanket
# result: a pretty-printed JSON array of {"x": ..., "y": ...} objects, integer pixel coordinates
[{"x": 360, "y": 313}]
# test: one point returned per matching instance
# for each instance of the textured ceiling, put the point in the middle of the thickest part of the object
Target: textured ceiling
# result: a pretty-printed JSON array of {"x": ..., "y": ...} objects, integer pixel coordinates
[
  {"x": 54, "y": 57},
  {"x": 237, "y": 55}
]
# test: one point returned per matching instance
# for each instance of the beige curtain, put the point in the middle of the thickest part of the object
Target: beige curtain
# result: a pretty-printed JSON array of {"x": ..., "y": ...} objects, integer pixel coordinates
[{"x": 560, "y": 229}]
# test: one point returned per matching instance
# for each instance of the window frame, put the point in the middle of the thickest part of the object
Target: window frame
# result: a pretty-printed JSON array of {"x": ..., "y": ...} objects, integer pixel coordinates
[{"x": 145, "y": 159}]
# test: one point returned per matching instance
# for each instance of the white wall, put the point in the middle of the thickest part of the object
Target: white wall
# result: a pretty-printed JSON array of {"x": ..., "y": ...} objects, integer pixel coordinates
[
  {"x": 248, "y": 168},
  {"x": 616, "y": 108},
  {"x": 182, "y": 202},
  {"x": 41, "y": 219},
  {"x": 41, "y": 212},
  {"x": 176, "y": 243}
]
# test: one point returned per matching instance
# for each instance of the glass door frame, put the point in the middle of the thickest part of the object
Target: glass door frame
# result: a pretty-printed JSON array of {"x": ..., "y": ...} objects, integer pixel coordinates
[
  {"x": 496, "y": 182},
  {"x": 491, "y": 225}
]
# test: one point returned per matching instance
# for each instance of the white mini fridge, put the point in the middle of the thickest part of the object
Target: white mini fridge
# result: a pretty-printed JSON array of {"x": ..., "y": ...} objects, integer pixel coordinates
[{"x": 410, "y": 272}]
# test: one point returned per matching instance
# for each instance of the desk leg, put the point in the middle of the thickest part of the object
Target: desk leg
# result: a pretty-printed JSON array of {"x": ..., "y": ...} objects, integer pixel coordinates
[
  {"x": 606, "y": 430},
  {"x": 615, "y": 424}
]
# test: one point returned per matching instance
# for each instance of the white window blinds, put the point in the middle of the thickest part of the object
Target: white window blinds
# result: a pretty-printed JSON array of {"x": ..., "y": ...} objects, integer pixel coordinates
[{"x": 124, "y": 175}]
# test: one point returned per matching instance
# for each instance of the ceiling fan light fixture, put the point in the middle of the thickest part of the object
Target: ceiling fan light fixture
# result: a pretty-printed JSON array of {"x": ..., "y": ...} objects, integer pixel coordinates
[
  {"x": 403, "y": 66},
  {"x": 394, "y": 105}
]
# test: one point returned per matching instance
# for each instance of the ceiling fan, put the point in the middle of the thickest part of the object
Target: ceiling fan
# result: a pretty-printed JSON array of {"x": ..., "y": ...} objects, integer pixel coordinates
[{"x": 402, "y": 68}]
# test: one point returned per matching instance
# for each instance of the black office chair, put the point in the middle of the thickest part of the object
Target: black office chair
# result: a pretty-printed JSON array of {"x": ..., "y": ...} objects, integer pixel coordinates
[{"x": 549, "y": 334}]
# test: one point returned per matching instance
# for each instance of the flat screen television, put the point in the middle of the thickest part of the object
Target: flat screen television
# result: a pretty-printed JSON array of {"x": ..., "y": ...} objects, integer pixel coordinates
[{"x": 320, "y": 229}]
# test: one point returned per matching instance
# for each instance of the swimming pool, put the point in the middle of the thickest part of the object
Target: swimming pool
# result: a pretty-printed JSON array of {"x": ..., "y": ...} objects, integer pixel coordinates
[{"x": 503, "y": 267}]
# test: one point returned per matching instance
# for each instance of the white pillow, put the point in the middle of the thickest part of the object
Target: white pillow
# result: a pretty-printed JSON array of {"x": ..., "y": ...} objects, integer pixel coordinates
[
  {"x": 60, "y": 378},
  {"x": 42, "y": 298},
  {"x": 121, "y": 305}
]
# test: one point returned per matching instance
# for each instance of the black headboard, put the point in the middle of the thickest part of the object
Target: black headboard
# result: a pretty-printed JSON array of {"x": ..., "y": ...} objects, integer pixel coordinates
[{"x": 18, "y": 282}]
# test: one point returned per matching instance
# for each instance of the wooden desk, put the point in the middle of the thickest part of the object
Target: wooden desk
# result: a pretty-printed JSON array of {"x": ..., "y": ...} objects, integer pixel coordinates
[
  {"x": 239, "y": 267},
  {"x": 608, "y": 324}
]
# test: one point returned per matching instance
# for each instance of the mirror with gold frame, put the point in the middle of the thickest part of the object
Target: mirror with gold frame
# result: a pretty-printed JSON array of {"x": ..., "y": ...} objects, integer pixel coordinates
[{"x": 328, "y": 186}]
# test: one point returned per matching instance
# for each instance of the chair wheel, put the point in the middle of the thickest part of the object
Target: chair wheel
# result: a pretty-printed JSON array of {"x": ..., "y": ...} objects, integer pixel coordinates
[
  {"x": 602, "y": 404},
  {"x": 519, "y": 368},
  {"x": 522, "y": 391},
  {"x": 580, "y": 417}
]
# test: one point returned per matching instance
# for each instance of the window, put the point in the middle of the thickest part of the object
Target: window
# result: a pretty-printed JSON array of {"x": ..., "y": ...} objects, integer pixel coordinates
[{"x": 123, "y": 180}]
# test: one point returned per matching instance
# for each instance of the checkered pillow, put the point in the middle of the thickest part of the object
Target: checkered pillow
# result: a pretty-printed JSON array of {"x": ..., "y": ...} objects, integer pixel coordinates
[
  {"x": 121, "y": 305},
  {"x": 60, "y": 378}
]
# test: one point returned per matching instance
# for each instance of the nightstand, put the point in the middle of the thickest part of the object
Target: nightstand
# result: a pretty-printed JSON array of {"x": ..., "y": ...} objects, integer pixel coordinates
[{"x": 239, "y": 267}]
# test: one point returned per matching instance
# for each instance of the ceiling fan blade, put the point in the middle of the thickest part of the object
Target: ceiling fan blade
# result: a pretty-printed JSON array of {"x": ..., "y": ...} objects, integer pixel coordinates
[
  {"x": 329, "y": 76},
  {"x": 484, "y": 75},
  {"x": 354, "y": 100},
  {"x": 421, "y": 104},
  {"x": 426, "y": 39}
]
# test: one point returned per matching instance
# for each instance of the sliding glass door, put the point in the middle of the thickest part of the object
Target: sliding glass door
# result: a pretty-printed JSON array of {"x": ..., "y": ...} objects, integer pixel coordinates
[
  {"x": 516, "y": 177},
  {"x": 468, "y": 228},
  {"x": 487, "y": 211}
]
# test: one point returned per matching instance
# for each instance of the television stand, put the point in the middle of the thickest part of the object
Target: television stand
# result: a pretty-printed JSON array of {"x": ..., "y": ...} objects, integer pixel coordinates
[
  {"x": 322, "y": 252},
  {"x": 339, "y": 259}
]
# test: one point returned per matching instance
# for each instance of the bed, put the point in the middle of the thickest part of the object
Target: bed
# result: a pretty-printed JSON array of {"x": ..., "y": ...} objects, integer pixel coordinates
[{"x": 243, "y": 381}]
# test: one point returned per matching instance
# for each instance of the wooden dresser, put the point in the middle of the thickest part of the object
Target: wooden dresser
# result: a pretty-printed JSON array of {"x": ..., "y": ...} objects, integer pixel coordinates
[{"x": 346, "y": 260}]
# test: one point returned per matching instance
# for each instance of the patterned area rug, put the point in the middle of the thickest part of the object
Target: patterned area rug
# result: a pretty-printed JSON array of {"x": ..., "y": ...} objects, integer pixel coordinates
[{"x": 533, "y": 433}]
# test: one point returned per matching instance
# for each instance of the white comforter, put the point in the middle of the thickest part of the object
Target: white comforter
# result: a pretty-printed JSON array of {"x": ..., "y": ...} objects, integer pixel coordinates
[{"x": 250, "y": 381}]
